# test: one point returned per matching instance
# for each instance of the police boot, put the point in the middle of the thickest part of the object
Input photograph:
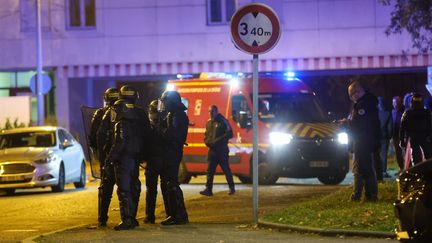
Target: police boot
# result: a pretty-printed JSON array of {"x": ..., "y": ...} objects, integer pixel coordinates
[
  {"x": 150, "y": 207},
  {"x": 134, "y": 210},
  {"x": 125, "y": 213},
  {"x": 165, "y": 199},
  {"x": 177, "y": 207},
  {"x": 103, "y": 206}
]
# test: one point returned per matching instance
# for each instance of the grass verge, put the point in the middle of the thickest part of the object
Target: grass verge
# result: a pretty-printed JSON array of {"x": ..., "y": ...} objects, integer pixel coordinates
[{"x": 335, "y": 211}]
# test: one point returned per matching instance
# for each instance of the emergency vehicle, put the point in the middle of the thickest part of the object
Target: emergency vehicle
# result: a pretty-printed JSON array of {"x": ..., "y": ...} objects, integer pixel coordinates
[{"x": 296, "y": 137}]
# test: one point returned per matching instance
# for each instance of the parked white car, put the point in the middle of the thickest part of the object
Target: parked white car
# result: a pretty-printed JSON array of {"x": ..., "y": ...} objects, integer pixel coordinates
[{"x": 39, "y": 157}]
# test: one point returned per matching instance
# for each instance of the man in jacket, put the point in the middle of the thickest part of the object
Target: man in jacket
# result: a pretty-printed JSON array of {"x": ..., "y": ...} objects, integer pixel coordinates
[
  {"x": 217, "y": 134},
  {"x": 364, "y": 128}
]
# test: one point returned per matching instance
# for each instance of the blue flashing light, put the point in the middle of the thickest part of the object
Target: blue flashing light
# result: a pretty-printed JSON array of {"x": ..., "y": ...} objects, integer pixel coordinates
[{"x": 290, "y": 74}]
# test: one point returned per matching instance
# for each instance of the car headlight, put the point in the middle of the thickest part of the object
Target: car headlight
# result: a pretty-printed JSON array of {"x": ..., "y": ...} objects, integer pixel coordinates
[
  {"x": 342, "y": 138},
  {"x": 50, "y": 158},
  {"x": 280, "y": 138}
]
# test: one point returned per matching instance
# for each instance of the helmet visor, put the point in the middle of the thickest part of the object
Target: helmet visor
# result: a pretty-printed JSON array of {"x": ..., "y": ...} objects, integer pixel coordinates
[{"x": 161, "y": 106}]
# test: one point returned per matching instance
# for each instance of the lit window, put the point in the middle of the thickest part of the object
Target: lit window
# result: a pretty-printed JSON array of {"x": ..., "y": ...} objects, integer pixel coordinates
[
  {"x": 81, "y": 14},
  {"x": 220, "y": 11}
]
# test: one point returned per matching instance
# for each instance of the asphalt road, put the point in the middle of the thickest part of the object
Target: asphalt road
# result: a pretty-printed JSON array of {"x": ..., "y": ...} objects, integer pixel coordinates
[{"x": 34, "y": 212}]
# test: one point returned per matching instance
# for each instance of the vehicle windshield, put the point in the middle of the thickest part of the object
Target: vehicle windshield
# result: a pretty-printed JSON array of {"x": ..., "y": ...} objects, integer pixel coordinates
[
  {"x": 290, "y": 108},
  {"x": 27, "y": 139}
]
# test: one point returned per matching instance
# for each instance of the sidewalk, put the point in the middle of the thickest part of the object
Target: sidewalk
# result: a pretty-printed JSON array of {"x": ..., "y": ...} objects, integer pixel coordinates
[{"x": 220, "y": 218}]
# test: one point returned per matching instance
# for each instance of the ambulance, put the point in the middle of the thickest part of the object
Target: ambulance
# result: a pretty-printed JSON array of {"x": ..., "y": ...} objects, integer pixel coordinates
[{"x": 296, "y": 138}]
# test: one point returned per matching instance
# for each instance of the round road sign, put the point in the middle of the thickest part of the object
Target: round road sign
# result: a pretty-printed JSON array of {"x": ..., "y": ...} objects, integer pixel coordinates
[
  {"x": 255, "y": 28},
  {"x": 46, "y": 83}
]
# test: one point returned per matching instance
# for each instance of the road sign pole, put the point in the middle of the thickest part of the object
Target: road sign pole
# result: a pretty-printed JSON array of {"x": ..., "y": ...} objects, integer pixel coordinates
[
  {"x": 255, "y": 29},
  {"x": 40, "y": 96},
  {"x": 255, "y": 138}
]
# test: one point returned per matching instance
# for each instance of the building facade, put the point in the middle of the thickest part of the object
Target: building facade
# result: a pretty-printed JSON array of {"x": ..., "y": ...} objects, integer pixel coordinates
[{"x": 90, "y": 45}]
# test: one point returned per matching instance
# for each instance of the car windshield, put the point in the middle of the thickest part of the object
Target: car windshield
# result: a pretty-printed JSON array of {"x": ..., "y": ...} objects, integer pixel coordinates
[
  {"x": 290, "y": 108},
  {"x": 27, "y": 139}
]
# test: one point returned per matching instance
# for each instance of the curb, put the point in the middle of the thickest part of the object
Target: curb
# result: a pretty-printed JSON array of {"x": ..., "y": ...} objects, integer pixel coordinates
[
  {"x": 327, "y": 232},
  {"x": 32, "y": 238}
]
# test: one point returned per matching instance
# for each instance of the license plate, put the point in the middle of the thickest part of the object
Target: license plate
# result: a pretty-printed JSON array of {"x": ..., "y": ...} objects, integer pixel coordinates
[
  {"x": 11, "y": 178},
  {"x": 318, "y": 164}
]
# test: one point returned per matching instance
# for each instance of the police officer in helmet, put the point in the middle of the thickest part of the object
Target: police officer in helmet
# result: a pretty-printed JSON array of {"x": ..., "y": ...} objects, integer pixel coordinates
[
  {"x": 129, "y": 95},
  {"x": 128, "y": 142},
  {"x": 100, "y": 141},
  {"x": 417, "y": 128},
  {"x": 173, "y": 130},
  {"x": 154, "y": 167}
]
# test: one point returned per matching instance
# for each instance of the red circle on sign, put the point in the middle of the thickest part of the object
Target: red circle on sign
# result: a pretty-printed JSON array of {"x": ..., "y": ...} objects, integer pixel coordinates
[{"x": 253, "y": 8}]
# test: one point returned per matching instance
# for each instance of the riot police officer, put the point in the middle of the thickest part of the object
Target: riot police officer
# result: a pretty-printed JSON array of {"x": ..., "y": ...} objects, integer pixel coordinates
[
  {"x": 154, "y": 167},
  {"x": 129, "y": 95},
  {"x": 100, "y": 141},
  {"x": 128, "y": 142},
  {"x": 417, "y": 128},
  {"x": 173, "y": 131}
]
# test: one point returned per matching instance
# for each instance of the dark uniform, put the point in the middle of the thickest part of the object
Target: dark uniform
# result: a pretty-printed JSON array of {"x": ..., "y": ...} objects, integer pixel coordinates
[
  {"x": 364, "y": 127},
  {"x": 417, "y": 128},
  {"x": 154, "y": 168},
  {"x": 130, "y": 95},
  {"x": 125, "y": 152},
  {"x": 101, "y": 140},
  {"x": 218, "y": 132},
  {"x": 173, "y": 131}
]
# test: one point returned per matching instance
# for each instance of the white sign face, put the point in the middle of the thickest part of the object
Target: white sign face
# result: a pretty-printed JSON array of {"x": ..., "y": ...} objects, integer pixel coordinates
[{"x": 255, "y": 29}]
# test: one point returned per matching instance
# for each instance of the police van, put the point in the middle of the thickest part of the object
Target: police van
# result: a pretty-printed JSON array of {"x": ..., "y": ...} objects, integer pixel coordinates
[{"x": 296, "y": 137}]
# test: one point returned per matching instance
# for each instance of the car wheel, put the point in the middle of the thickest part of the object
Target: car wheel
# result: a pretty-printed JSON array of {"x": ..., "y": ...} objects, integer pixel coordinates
[
  {"x": 183, "y": 176},
  {"x": 245, "y": 179},
  {"x": 82, "y": 182},
  {"x": 266, "y": 175},
  {"x": 61, "y": 181},
  {"x": 332, "y": 179}
]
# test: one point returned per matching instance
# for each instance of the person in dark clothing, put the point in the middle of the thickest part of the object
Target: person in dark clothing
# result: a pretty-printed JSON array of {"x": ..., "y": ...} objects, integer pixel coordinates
[
  {"x": 173, "y": 130},
  {"x": 217, "y": 134},
  {"x": 416, "y": 128},
  {"x": 154, "y": 168},
  {"x": 386, "y": 131},
  {"x": 100, "y": 141},
  {"x": 124, "y": 153},
  {"x": 130, "y": 95},
  {"x": 364, "y": 128},
  {"x": 397, "y": 116}
]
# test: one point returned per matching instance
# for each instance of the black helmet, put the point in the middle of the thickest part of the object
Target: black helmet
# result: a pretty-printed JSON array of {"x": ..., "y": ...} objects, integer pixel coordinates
[
  {"x": 153, "y": 106},
  {"x": 171, "y": 101},
  {"x": 124, "y": 109},
  {"x": 128, "y": 92},
  {"x": 111, "y": 95},
  {"x": 417, "y": 101}
]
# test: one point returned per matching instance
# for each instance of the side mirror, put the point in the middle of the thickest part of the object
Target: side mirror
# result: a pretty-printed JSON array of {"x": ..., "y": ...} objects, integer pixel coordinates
[{"x": 244, "y": 120}]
